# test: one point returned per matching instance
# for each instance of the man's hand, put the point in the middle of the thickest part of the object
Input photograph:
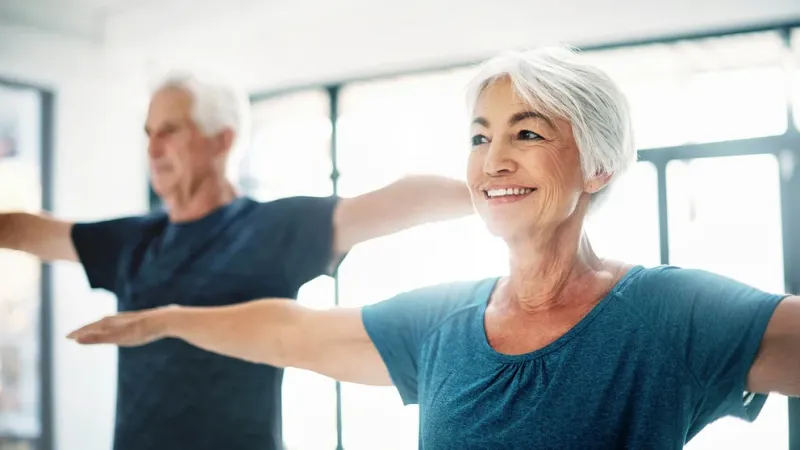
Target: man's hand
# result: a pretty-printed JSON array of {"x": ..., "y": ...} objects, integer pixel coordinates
[{"x": 130, "y": 329}]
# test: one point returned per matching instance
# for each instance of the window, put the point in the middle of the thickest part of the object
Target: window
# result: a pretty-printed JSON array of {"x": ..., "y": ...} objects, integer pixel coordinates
[
  {"x": 20, "y": 291},
  {"x": 289, "y": 152},
  {"x": 388, "y": 129},
  {"x": 626, "y": 227},
  {"x": 717, "y": 223},
  {"x": 702, "y": 90},
  {"x": 289, "y": 155}
]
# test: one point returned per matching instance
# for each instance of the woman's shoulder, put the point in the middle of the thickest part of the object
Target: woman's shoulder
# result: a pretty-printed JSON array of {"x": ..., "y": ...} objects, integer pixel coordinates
[
  {"x": 677, "y": 286},
  {"x": 670, "y": 277},
  {"x": 453, "y": 294},
  {"x": 435, "y": 303}
]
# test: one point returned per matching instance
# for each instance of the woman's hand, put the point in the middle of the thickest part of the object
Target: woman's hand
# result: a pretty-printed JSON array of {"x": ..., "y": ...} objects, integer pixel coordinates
[{"x": 128, "y": 329}]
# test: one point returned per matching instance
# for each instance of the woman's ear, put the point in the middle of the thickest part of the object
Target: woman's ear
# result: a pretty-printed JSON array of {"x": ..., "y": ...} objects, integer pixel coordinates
[{"x": 597, "y": 183}]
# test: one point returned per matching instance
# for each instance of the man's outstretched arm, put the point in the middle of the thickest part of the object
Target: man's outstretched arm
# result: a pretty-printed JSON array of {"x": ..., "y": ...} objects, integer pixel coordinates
[
  {"x": 408, "y": 202},
  {"x": 47, "y": 238}
]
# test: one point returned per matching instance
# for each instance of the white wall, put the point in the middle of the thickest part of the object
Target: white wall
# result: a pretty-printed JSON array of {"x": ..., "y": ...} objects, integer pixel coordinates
[{"x": 99, "y": 172}]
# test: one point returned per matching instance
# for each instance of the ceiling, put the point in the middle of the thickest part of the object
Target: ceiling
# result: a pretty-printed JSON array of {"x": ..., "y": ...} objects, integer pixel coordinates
[
  {"x": 231, "y": 25},
  {"x": 82, "y": 19}
]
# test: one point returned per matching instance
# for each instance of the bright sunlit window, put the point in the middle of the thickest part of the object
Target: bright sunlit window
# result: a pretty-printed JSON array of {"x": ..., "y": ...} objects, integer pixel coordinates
[
  {"x": 703, "y": 90},
  {"x": 736, "y": 235},
  {"x": 389, "y": 129},
  {"x": 625, "y": 227},
  {"x": 290, "y": 155}
]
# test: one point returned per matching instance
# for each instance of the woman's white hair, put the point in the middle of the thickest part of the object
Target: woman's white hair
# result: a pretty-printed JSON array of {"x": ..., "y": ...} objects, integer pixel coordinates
[
  {"x": 216, "y": 105},
  {"x": 558, "y": 84}
]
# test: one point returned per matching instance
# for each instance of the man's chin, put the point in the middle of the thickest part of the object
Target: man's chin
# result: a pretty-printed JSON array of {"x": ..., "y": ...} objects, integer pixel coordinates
[{"x": 160, "y": 188}]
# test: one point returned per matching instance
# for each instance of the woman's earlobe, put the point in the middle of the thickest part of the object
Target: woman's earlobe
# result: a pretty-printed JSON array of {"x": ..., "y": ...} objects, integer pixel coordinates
[{"x": 597, "y": 183}]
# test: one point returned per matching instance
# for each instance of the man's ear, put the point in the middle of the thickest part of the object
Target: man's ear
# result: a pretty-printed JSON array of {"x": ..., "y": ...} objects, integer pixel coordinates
[
  {"x": 598, "y": 183},
  {"x": 225, "y": 140}
]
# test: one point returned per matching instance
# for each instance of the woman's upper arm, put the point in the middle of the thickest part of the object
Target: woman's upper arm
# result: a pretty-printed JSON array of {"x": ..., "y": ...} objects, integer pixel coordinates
[
  {"x": 777, "y": 364},
  {"x": 337, "y": 345},
  {"x": 714, "y": 327},
  {"x": 381, "y": 344}
]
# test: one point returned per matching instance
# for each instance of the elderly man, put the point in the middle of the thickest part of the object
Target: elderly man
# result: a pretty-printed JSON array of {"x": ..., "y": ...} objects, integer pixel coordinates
[{"x": 213, "y": 247}]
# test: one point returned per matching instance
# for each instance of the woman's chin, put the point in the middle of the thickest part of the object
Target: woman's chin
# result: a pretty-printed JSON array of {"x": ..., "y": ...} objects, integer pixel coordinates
[{"x": 503, "y": 229}]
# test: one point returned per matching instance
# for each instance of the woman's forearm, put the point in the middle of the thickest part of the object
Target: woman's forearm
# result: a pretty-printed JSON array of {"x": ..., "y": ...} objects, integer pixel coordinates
[
  {"x": 277, "y": 332},
  {"x": 261, "y": 331}
]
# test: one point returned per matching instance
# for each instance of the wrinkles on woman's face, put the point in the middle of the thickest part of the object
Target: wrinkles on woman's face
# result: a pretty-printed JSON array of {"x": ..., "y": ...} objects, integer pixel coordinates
[{"x": 516, "y": 146}]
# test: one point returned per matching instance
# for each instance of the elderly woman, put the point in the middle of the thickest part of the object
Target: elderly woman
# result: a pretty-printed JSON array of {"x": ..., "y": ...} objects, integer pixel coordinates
[{"x": 570, "y": 350}]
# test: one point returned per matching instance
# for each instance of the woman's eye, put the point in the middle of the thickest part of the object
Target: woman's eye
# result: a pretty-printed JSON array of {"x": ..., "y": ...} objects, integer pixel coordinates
[
  {"x": 479, "y": 139},
  {"x": 527, "y": 135}
]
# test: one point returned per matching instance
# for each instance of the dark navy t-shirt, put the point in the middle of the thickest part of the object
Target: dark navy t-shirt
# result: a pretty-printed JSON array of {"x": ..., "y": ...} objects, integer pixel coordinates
[
  {"x": 664, "y": 354},
  {"x": 172, "y": 395}
]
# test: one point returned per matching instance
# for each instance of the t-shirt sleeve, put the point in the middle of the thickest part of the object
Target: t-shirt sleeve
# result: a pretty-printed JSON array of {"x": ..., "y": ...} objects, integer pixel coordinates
[
  {"x": 308, "y": 246},
  {"x": 101, "y": 248},
  {"x": 716, "y": 324},
  {"x": 399, "y": 326}
]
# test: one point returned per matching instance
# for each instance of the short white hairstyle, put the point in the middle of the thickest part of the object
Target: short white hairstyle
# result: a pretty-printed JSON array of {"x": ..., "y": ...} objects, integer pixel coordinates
[
  {"x": 216, "y": 105},
  {"x": 557, "y": 83}
]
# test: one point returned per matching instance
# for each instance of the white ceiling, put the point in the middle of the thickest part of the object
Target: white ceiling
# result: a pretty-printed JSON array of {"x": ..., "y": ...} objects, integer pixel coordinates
[
  {"x": 82, "y": 19},
  {"x": 126, "y": 21},
  {"x": 291, "y": 42}
]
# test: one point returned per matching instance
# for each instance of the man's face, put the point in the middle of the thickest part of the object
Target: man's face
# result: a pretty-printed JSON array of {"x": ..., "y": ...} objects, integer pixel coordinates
[{"x": 180, "y": 155}]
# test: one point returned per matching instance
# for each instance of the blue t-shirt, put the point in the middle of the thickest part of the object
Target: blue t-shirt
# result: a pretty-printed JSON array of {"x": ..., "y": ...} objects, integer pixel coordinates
[
  {"x": 175, "y": 396},
  {"x": 665, "y": 353}
]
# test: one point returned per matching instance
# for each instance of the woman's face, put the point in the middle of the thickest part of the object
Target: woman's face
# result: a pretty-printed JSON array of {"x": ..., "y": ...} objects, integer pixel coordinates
[{"x": 524, "y": 170}]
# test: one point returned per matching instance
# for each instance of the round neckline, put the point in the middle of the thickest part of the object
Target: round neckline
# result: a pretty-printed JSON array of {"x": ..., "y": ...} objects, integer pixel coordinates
[
  {"x": 487, "y": 348},
  {"x": 211, "y": 216}
]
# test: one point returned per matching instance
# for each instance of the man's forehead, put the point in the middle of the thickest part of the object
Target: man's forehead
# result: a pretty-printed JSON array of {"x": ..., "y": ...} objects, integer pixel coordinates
[{"x": 169, "y": 105}]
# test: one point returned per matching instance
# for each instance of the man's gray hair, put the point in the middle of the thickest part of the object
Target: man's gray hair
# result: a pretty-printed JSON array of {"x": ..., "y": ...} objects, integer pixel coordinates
[
  {"x": 216, "y": 105},
  {"x": 558, "y": 84}
]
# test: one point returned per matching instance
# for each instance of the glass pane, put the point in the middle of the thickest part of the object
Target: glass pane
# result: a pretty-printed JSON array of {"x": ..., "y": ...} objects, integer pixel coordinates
[
  {"x": 289, "y": 156},
  {"x": 20, "y": 292},
  {"x": 309, "y": 399},
  {"x": 657, "y": 110},
  {"x": 795, "y": 68},
  {"x": 389, "y": 129},
  {"x": 702, "y": 90},
  {"x": 289, "y": 151},
  {"x": 432, "y": 135},
  {"x": 718, "y": 224},
  {"x": 626, "y": 227},
  {"x": 736, "y": 104}
]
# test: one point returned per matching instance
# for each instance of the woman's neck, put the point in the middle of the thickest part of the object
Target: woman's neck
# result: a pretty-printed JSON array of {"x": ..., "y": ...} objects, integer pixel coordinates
[{"x": 552, "y": 268}]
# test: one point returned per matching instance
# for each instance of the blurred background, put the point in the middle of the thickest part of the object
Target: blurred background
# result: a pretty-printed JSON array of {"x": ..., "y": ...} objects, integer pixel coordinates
[{"x": 348, "y": 96}]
